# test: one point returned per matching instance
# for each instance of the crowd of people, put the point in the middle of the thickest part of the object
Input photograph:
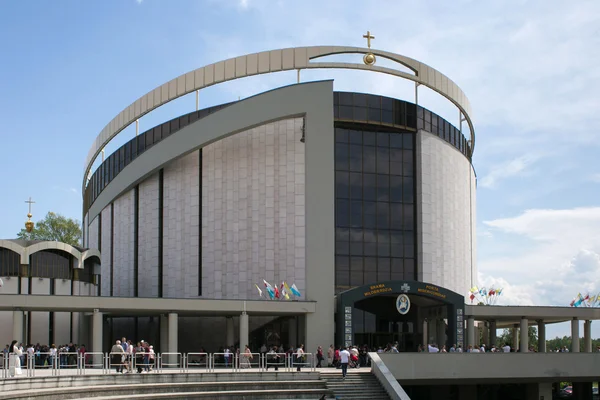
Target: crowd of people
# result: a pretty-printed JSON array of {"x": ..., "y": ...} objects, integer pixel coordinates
[
  {"x": 41, "y": 356},
  {"x": 124, "y": 355}
]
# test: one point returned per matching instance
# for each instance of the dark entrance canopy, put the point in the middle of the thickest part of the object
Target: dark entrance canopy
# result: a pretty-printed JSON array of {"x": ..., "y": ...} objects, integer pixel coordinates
[{"x": 380, "y": 299}]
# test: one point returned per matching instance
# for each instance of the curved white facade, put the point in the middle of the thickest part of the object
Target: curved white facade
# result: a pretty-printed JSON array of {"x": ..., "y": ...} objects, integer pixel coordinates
[{"x": 446, "y": 187}]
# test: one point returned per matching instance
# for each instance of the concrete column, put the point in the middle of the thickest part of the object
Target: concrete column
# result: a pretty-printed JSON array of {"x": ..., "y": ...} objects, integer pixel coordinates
[
  {"x": 302, "y": 333},
  {"x": 575, "y": 335},
  {"x": 486, "y": 335},
  {"x": 477, "y": 342},
  {"x": 173, "y": 325},
  {"x": 293, "y": 336},
  {"x": 432, "y": 331},
  {"x": 470, "y": 331},
  {"x": 18, "y": 326},
  {"x": 587, "y": 336},
  {"x": 243, "y": 331},
  {"x": 524, "y": 335},
  {"x": 541, "y": 336},
  {"x": 492, "y": 333},
  {"x": 515, "y": 337},
  {"x": 230, "y": 341},
  {"x": 97, "y": 330},
  {"x": 164, "y": 333},
  {"x": 441, "y": 333},
  {"x": 424, "y": 338}
]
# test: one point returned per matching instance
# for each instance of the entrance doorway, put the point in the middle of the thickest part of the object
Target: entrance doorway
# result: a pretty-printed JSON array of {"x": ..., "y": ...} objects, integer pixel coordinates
[{"x": 402, "y": 313}]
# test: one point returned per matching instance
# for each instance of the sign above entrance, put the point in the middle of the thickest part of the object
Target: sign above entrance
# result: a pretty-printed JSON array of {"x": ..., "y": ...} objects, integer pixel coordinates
[{"x": 403, "y": 304}]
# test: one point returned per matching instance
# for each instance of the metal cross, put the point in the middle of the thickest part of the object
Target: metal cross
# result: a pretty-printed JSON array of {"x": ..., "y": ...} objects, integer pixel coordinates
[
  {"x": 30, "y": 203},
  {"x": 368, "y": 37},
  {"x": 405, "y": 288}
]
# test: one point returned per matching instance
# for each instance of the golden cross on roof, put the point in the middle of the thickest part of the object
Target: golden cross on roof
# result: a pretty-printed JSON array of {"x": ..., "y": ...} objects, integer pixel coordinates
[
  {"x": 368, "y": 37},
  {"x": 30, "y": 203}
]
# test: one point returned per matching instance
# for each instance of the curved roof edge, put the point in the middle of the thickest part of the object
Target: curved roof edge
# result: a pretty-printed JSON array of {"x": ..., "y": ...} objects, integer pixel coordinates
[
  {"x": 25, "y": 251},
  {"x": 267, "y": 62}
]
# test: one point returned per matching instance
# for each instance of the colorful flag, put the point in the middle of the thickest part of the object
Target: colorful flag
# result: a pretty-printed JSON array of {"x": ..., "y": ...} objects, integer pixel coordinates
[
  {"x": 259, "y": 291},
  {"x": 269, "y": 289},
  {"x": 499, "y": 291},
  {"x": 284, "y": 292},
  {"x": 295, "y": 290},
  {"x": 287, "y": 288},
  {"x": 472, "y": 296},
  {"x": 276, "y": 292}
]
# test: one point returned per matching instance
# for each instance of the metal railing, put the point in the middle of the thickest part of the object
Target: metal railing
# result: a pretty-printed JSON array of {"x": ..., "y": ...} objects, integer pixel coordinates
[
  {"x": 197, "y": 361},
  {"x": 80, "y": 364},
  {"x": 171, "y": 360}
]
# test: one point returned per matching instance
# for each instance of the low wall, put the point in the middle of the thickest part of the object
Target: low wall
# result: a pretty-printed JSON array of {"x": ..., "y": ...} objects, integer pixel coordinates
[{"x": 474, "y": 368}]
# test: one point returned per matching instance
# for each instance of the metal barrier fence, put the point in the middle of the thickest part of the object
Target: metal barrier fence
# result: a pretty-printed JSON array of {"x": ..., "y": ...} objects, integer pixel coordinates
[
  {"x": 78, "y": 364},
  {"x": 197, "y": 361},
  {"x": 171, "y": 360}
]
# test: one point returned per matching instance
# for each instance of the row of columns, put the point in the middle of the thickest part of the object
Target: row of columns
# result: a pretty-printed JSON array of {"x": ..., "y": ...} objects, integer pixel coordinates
[
  {"x": 169, "y": 331},
  {"x": 520, "y": 335},
  {"x": 434, "y": 331}
]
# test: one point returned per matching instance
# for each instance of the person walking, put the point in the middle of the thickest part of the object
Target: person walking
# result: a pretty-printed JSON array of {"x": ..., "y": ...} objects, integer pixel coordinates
[
  {"x": 14, "y": 361},
  {"x": 117, "y": 355},
  {"x": 344, "y": 359},
  {"x": 299, "y": 357},
  {"x": 330, "y": 354},
  {"x": 319, "y": 356}
]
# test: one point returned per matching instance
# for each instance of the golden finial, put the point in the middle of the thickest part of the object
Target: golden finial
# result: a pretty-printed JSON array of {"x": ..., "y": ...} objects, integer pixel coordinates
[
  {"x": 369, "y": 58},
  {"x": 29, "y": 223}
]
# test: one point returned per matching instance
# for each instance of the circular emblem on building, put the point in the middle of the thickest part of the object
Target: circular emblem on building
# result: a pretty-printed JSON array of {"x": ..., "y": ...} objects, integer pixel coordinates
[{"x": 403, "y": 304}]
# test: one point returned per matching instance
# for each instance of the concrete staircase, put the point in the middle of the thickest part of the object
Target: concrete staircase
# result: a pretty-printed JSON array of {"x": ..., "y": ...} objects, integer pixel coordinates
[
  {"x": 222, "y": 386},
  {"x": 359, "y": 384}
]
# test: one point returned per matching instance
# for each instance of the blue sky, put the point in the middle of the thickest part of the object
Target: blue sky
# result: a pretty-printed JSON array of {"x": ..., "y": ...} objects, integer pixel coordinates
[{"x": 530, "y": 69}]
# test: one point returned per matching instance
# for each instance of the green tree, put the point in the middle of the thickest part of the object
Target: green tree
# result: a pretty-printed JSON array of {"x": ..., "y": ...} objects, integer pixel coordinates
[
  {"x": 54, "y": 227},
  {"x": 507, "y": 337}
]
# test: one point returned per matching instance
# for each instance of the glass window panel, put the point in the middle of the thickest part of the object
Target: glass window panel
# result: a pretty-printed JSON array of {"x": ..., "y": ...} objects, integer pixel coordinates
[
  {"x": 342, "y": 278},
  {"x": 396, "y": 140},
  {"x": 345, "y": 99},
  {"x": 434, "y": 121},
  {"x": 342, "y": 184},
  {"x": 356, "y": 214},
  {"x": 397, "y": 250},
  {"x": 341, "y": 156},
  {"x": 356, "y": 264},
  {"x": 396, "y": 213},
  {"x": 370, "y": 236},
  {"x": 356, "y": 248},
  {"x": 383, "y": 236},
  {"x": 396, "y": 188},
  {"x": 369, "y": 159},
  {"x": 420, "y": 112},
  {"x": 397, "y": 276},
  {"x": 360, "y": 114},
  {"x": 383, "y": 269},
  {"x": 346, "y": 112},
  {"x": 356, "y": 235},
  {"x": 408, "y": 140},
  {"x": 383, "y": 160},
  {"x": 387, "y": 117},
  {"x": 184, "y": 120},
  {"x": 383, "y": 249},
  {"x": 374, "y": 101},
  {"x": 395, "y": 168},
  {"x": 356, "y": 186},
  {"x": 395, "y": 155},
  {"x": 420, "y": 124},
  {"x": 342, "y": 206},
  {"x": 354, "y": 136},
  {"x": 370, "y": 249},
  {"x": 409, "y": 268},
  {"x": 408, "y": 218},
  {"x": 342, "y": 263},
  {"x": 383, "y": 215},
  {"x": 407, "y": 156},
  {"x": 407, "y": 189},
  {"x": 383, "y": 139},
  {"x": 336, "y": 98},
  {"x": 142, "y": 143},
  {"x": 356, "y": 278},
  {"x": 374, "y": 115},
  {"x": 341, "y": 135},
  {"x": 427, "y": 126},
  {"x": 370, "y": 264},
  {"x": 383, "y": 187},
  {"x": 356, "y": 157},
  {"x": 369, "y": 138},
  {"x": 165, "y": 129},
  {"x": 342, "y": 248},
  {"x": 407, "y": 169},
  {"x": 193, "y": 117},
  {"x": 336, "y": 112},
  {"x": 386, "y": 103},
  {"x": 342, "y": 234},
  {"x": 409, "y": 251},
  {"x": 370, "y": 187}
]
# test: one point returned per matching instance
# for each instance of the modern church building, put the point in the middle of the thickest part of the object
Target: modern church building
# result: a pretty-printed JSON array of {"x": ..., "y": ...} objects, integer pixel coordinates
[{"x": 355, "y": 198}]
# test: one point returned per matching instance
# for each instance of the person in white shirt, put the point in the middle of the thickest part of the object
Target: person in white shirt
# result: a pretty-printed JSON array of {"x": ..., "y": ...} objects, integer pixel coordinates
[
  {"x": 432, "y": 348},
  {"x": 344, "y": 358},
  {"x": 506, "y": 348},
  {"x": 299, "y": 357},
  {"x": 482, "y": 349}
]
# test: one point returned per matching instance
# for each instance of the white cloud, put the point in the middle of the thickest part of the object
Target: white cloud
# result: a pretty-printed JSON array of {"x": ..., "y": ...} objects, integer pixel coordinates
[
  {"x": 139, "y": 1},
  {"x": 243, "y": 3},
  {"x": 595, "y": 178},
  {"x": 550, "y": 254},
  {"x": 515, "y": 167}
]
